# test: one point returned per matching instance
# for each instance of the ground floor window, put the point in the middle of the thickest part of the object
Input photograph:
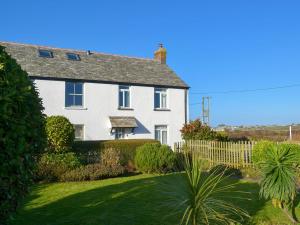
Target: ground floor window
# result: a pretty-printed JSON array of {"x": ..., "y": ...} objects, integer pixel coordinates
[
  {"x": 120, "y": 133},
  {"x": 79, "y": 131},
  {"x": 161, "y": 134}
]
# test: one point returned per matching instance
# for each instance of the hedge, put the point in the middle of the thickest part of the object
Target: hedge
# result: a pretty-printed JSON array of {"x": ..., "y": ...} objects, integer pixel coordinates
[
  {"x": 21, "y": 131},
  {"x": 90, "y": 150}
]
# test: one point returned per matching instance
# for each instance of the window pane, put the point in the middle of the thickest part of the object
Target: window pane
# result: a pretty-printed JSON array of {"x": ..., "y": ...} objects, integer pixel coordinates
[
  {"x": 69, "y": 88},
  {"x": 78, "y": 132},
  {"x": 78, "y": 100},
  {"x": 120, "y": 99},
  {"x": 156, "y": 100},
  {"x": 78, "y": 88},
  {"x": 73, "y": 56},
  {"x": 164, "y": 101},
  {"x": 127, "y": 99},
  {"x": 164, "y": 137},
  {"x": 157, "y": 135},
  {"x": 69, "y": 100},
  {"x": 45, "y": 53}
]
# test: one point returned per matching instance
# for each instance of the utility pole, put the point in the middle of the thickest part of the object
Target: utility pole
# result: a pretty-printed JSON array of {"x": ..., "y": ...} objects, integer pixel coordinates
[{"x": 205, "y": 110}]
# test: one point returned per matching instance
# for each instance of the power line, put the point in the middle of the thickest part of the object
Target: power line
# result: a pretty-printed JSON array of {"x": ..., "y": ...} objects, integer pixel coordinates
[{"x": 245, "y": 90}]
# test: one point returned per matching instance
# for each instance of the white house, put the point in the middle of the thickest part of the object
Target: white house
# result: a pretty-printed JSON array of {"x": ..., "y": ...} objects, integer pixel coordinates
[{"x": 107, "y": 96}]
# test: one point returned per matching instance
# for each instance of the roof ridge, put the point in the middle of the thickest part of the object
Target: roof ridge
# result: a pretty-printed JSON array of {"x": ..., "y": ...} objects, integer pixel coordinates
[{"x": 76, "y": 50}]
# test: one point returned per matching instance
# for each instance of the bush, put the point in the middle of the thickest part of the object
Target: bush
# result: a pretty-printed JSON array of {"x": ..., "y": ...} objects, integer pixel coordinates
[
  {"x": 111, "y": 158},
  {"x": 60, "y": 133},
  {"x": 195, "y": 130},
  {"x": 52, "y": 166},
  {"x": 155, "y": 158},
  {"x": 95, "y": 171},
  {"x": 110, "y": 166},
  {"x": 260, "y": 150},
  {"x": 21, "y": 131},
  {"x": 89, "y": 151}
]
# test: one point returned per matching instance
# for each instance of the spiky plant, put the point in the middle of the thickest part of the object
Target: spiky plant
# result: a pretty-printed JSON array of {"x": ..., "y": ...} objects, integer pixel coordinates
[
  {"x": 279, "y": 176},
  {"x": 199, "y": 196}
]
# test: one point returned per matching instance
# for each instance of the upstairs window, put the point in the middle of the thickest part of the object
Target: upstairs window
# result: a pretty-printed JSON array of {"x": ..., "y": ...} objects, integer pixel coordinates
[
  {"x": 73, "y": 56},
  {"x": 161, "y": 134},
  {"x": 45, "y": 53},
  {"x": 124, "y": 96},
  {"x": 160, "y": 98},
  {"x": 74, "y": 94}
]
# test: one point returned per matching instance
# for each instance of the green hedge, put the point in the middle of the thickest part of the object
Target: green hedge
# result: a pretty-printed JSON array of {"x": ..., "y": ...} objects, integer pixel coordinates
[
  {"x": 155, "y": 158},
  {"x": 21, "y": 134},
  {"x": 89, "y": 151}
]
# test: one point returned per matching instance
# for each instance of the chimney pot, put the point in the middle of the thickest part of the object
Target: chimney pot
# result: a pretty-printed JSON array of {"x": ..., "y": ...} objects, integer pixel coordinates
[{"x": 160, "y": 54}]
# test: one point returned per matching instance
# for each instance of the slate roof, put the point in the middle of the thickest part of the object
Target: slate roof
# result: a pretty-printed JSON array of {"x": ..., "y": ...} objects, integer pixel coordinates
[
  {"x": 97, "y": 67},
  {"x": 123, "y": 121}
]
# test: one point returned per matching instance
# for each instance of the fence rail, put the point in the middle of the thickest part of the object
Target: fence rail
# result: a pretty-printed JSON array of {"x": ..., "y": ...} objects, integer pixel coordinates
[{"x": 234, "y": 154}]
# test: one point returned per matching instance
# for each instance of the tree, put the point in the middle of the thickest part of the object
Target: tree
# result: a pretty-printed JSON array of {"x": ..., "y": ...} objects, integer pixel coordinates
[
  {"x": 199, "y": 196},
  {"x": 197, "y": 131},
  {"x": 278, "y": 164},
  {"x": 22, "y": 134},
  {"x": 60, "y": 134}
]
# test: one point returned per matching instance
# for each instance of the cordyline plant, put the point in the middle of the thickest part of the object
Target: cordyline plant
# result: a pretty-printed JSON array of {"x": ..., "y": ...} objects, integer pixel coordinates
[
  {"x": 279, "y": 169},
  {"x": 200, "y": 196}
]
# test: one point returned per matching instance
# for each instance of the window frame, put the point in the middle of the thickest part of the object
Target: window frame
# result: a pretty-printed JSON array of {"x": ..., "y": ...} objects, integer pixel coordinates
[
  {"x": 45, "y": 56},
  {"x": 122, "y": 90},
  {"x": 163, "y": 92},
  {"x": 77, "y": 57},
  {"x": 120, "y": 130},
  {"x": 161, "y": 129},
  {"x": 83, "y": 132},
  {"x": 74, "y": 94}
]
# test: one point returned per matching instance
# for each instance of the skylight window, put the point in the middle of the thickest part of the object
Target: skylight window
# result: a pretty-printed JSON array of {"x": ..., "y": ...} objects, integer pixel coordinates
[
  {"x": 45, "y": 53},
  {"x": 73, "y": 56}
]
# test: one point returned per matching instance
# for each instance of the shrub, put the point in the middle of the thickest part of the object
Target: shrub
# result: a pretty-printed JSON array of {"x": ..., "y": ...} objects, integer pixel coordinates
[
  {"x": 155, "y": 158},
  {"x": 95, "y": 171},
  {"x": 260, "y": 150},
  {"x": 111, "y": 158},
  {"x": 21, "y": 131},
  {"x": 89, "y": 151},
  {"x": 60, "y": 133},
  {"x": 279, "y": 176},
  {"x": 52, "y": 166},
  {"x": 195, "y": 130}
]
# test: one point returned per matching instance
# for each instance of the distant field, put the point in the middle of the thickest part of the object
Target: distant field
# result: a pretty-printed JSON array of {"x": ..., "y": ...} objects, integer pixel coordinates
[{"x": 275, "y": 133}]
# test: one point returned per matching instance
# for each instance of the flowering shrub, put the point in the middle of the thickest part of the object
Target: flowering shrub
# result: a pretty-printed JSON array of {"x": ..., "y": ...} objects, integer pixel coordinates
[{"x": 198, "y": 131}]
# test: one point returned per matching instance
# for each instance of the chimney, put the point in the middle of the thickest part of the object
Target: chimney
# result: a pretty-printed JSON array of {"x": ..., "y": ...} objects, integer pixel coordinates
[{"x": 160, "y": 54}]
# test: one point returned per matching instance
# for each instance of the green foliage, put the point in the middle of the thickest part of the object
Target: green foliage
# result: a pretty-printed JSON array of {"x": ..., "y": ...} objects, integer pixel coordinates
[
  {"x": 260, "y": 149},
  {"x": 52, "y": 166},
  {"x": 60, "y": 133},
  {"x": 195, "y": 130},
  {"x": 278, "y": 165},
  {"x": 110, "y": 166},
  {"x": 200, "y": 197},
  {"x": 89, "y": 151},
  {"x": 95, "y": 171},
  {"x": 155, "y": 158},
  {"x": 21, "y": 131}
]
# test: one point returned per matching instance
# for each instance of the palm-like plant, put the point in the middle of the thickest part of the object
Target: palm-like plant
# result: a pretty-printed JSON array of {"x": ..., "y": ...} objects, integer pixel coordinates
[
  {"x": 279, "y": 176},
  {"x": 199, "y": 197}
]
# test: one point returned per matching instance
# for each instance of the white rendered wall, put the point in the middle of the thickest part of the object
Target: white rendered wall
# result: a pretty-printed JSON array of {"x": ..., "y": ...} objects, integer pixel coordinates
[{"x": 101, "y": 101}]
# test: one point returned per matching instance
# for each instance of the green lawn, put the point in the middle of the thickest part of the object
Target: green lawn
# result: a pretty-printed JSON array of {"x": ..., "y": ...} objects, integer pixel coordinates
[{"x": 134, "y": 200}]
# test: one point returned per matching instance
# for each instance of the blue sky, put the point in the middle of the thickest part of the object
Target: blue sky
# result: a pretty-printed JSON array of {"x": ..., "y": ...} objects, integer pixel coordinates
[{"x": 214, "y": 45}]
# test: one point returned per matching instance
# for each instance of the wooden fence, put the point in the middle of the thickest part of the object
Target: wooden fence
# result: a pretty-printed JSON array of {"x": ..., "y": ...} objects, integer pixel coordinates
[{"x": 234, "y": 154}]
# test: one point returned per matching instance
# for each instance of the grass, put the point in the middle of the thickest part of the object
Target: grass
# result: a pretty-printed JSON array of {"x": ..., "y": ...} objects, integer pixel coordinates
[{"x": 134, "y": 200}]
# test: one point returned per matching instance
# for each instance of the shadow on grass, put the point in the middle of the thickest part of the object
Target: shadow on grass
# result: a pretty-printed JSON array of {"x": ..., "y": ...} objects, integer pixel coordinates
[{"x": 133, "y": 202}]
